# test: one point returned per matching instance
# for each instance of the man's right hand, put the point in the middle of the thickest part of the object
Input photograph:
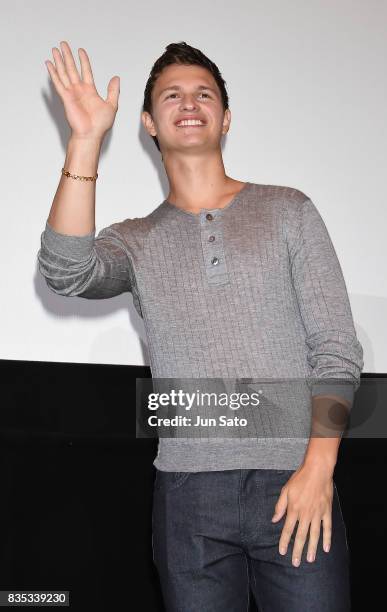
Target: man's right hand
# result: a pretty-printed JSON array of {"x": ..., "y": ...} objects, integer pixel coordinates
[{"x": 88, "y": 115}]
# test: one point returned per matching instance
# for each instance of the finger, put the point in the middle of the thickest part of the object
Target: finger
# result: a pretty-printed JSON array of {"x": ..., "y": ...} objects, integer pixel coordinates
[
  {"x": 61, "y": 90},
  {"x": 281, "y": 505},
  {"x": 86, "y": 71},
  {"x": 286, "y": 534},
  {"x": 300, "y": 539},
  {"x": 60, "y": 67},
  {"x": 327, "y": 531},
  {"x": 314, "y": 537},
  {"x": 113, "y": 91},
  {"x": 71, "y": 68}
]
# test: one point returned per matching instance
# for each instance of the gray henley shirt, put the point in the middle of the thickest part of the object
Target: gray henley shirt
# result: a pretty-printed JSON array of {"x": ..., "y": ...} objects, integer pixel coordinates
[{"x": 253, "y": 289}]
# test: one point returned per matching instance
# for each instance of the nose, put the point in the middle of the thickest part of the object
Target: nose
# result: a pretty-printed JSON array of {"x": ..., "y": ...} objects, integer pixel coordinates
[{"x": 188, "y": 103}]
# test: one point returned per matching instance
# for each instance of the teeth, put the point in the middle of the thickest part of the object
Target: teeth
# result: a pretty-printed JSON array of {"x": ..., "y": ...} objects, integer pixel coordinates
[{"x": 190, "y": 122}]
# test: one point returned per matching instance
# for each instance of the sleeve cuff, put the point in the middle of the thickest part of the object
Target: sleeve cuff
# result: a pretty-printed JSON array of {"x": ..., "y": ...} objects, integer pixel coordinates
[
  {"x": 73, "y": 247},
  {"x": 344, "y": 390}
]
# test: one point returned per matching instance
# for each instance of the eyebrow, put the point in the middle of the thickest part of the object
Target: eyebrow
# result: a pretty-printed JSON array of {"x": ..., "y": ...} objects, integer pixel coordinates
[{"x": 177, "y": 87}]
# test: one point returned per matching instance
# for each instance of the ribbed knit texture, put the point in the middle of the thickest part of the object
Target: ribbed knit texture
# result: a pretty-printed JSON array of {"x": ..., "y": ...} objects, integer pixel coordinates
[{"x": 275, "y": 305}]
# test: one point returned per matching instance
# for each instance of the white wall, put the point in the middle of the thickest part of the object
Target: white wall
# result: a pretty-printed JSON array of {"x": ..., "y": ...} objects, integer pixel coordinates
[{"x": 308, "y": 95}]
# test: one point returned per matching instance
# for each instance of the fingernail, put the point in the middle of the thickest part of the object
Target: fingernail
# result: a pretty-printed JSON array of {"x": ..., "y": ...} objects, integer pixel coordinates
[
  {"x": 282, "y": 550},
  {"x": 296, "y": 562},
  {"x": 326, "y": 547},
  {"x": 310, "y": 557}
]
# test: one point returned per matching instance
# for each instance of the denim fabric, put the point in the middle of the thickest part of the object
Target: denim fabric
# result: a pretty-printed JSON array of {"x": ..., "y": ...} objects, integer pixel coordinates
[{"x": 214, "y": 546}]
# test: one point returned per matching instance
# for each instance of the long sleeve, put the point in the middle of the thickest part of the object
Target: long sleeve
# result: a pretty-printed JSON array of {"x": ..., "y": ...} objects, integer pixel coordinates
[
  {"x": 86, "y": 266},
  {"x": 335, "y": 355}
]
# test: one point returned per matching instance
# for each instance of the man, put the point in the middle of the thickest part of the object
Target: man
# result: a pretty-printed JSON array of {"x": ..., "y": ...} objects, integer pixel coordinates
[{"x": 232, "y": 279}]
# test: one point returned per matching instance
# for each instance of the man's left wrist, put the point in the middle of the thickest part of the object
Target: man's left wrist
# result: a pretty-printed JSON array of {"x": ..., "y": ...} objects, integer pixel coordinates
[{"x": 320, "y": 462}]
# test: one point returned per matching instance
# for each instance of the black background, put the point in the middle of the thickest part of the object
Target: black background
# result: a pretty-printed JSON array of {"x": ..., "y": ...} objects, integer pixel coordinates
[{"x": 77, "y": 485}]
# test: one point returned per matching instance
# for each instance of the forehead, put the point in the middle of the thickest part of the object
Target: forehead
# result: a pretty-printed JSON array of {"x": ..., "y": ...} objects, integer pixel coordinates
[{"x": 184, "y": 76}]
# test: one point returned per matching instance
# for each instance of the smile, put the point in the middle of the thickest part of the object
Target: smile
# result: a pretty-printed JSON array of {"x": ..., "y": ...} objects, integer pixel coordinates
[{"x": 191, "y": 123}]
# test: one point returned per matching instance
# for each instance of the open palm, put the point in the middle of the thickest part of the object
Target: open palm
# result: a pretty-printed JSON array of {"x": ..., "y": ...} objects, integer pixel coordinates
[{"x": 88, "y": 115}]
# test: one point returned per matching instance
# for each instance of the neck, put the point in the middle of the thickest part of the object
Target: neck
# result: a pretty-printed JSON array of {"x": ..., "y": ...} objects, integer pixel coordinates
[{"x": 198, "y": 181}]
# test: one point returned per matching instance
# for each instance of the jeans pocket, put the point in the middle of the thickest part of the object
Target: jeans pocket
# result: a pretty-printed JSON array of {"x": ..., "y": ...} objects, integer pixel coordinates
[
  {"x": 273, "y": 472},
  {"x": 168, "y": 481}
]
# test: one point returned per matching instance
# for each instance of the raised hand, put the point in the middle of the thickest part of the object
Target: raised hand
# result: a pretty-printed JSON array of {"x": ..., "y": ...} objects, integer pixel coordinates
[{"x": 88, "y": 115}]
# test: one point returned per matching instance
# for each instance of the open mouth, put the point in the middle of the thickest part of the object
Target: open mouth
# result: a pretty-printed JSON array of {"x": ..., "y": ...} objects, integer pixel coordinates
[{"x": 190, "y": 124}]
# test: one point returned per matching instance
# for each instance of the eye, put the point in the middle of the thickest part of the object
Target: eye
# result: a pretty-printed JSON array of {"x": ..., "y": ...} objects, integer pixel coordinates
[{"x": 175, "y": 94}]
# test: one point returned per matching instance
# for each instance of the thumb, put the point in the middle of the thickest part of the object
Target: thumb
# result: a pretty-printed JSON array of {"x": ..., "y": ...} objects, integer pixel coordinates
[
  {"x": 280, "y": 508},
  {"x": 113, "y": 91}
]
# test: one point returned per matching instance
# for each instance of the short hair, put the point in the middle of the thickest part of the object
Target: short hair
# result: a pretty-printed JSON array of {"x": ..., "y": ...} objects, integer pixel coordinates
[{"x": 181, "y": 53}]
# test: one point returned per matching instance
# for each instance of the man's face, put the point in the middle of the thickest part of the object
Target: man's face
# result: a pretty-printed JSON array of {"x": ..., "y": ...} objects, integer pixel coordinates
[{"x": 186, "y": 91}]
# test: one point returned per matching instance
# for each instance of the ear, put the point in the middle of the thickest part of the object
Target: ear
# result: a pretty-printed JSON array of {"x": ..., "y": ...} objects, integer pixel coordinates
[
  {"x": 148, "y": 123},
  {"x": 226, "y": 121}
]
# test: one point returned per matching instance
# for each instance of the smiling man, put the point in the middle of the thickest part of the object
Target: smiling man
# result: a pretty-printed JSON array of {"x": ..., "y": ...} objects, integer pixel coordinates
[
  {"x": 233, "y": 279},
  {"x": 190, "y": 136}
]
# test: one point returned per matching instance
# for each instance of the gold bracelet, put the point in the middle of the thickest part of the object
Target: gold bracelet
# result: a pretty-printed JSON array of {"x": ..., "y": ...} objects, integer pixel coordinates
[{"x": 81, "y": 178}]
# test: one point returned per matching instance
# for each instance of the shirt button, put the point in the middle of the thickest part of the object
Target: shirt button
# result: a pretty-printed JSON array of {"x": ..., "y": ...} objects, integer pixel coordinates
[
  {"x": 209, "y": 216},
  {"x": 211, "y": 238},
  {"x": 214, "y": 261}
]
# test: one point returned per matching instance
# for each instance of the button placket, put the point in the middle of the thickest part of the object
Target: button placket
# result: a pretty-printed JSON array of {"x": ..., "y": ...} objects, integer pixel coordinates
[{"x": 213, "y": 248}]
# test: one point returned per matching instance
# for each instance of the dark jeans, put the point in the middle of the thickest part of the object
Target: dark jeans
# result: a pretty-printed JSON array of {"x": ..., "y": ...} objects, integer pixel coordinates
[{"x": 213, "y": 541}]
